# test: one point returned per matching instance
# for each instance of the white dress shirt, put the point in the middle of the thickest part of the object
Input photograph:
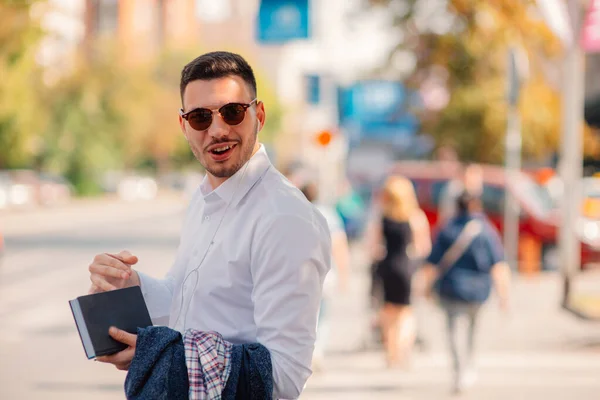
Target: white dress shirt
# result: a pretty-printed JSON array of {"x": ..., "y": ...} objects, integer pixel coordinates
[{"x": 251, "y": 263}]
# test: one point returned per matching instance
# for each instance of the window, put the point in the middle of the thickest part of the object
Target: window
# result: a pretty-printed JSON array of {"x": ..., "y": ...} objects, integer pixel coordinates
[
  {"x": 106, "y": 16},
  {"x": 492, "y": 200},
  {"x": 535, "y": 197},
  {"x": 438, "y": 189}
]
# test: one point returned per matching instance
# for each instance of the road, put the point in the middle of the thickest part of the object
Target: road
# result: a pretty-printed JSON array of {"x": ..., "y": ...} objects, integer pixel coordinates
[{"x": 536, "y": 352}]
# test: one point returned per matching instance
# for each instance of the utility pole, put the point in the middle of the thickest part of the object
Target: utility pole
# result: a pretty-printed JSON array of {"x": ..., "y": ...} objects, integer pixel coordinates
[
  {"x": 571, "y": 161},
  {"x": 512, "y": 159}
]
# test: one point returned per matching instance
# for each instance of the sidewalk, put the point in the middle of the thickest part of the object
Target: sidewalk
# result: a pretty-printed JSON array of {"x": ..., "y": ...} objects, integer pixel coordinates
[
  {"x": 41, "y": 220},
  {"x": 538, "y": 351}
]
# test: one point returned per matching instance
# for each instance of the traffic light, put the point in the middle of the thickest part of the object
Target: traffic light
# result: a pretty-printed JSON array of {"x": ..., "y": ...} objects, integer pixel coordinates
[{"x": 324, "y": 138}]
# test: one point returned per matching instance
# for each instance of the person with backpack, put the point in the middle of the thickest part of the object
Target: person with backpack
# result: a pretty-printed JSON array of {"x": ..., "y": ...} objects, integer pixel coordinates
[{"x": 466, "y": 261}]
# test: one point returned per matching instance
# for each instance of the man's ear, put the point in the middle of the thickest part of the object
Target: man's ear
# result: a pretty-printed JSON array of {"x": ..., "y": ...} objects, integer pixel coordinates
[
  {"x": 261, "y": 115},
  {"x": 182, "y": 126}
]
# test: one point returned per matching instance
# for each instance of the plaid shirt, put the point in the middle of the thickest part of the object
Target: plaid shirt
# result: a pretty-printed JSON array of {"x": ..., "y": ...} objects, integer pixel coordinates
[{"x": 207, "y": 356}]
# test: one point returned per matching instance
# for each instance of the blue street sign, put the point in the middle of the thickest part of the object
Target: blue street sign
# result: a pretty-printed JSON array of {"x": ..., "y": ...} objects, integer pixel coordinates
[
  {"x": 280, "y": 21},
  {"x": 377, "y": 109}
]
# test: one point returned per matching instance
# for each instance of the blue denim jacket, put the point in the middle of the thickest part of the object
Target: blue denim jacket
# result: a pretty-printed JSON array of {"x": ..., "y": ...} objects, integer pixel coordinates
[
  {"x": 251, "y": 374},
  {"x": 469, "y": 278},
  {"x": 158, "y": 369}
]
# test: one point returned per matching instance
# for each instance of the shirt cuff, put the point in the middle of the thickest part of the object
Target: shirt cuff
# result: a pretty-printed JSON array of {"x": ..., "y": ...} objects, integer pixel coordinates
[{"x": 157, "y": 297}]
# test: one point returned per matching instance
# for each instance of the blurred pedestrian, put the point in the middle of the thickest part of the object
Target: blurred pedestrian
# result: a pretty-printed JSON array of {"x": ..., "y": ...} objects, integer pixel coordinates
[
  {"x": 469, "y": 178},
  {"x": 337, "y": 279},
  {"x": 374, "y": 248},
  {"x": 465, "y": 261},
  {"x": 406, "y": 238}
]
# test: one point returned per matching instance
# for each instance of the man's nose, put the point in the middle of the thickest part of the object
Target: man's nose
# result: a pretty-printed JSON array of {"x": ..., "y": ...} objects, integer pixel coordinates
[{"x": 218, "y": 128}]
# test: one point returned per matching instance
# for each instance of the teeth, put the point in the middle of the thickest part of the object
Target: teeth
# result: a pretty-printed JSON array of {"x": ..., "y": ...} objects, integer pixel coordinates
[{"x": 222, "y": 148}]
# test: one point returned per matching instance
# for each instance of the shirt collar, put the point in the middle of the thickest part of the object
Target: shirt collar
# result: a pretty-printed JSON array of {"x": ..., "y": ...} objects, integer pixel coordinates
[{"x": 250, "y": 173}]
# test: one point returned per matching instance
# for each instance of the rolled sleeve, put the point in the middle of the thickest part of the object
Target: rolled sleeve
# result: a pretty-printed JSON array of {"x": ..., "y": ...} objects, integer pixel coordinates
[{"x": 288, "y": 269}]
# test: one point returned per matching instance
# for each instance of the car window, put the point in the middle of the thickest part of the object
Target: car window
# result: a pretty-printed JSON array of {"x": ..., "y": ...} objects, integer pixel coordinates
[
  {"x": 492, "y": 199},
  {"x": 535, "y": 197},
  {"x": 437, "y": 190}
]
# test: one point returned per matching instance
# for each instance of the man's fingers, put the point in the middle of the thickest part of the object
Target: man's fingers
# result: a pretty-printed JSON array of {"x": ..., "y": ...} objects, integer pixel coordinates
[
  {"x": 125, "y": 256},
  {"x": 94, "y": 289},
  {"x": 122, "y": 358},
  {"x": 123, "y": 367},
  {"x": 106, "y": 270},
  {"x": 101, "y": 283},
  {"x": 107, "y": 260},
  {"x": 117, "y": 263},
  {"x": 122, "y": 336}
]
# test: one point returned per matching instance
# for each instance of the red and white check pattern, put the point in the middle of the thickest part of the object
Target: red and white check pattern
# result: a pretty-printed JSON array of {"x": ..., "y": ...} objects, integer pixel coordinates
[{"x": 207, "y": 356}]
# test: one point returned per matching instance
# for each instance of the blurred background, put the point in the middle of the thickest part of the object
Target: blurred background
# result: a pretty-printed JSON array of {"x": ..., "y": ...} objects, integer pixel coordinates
[{"x": 92, "y": 160}]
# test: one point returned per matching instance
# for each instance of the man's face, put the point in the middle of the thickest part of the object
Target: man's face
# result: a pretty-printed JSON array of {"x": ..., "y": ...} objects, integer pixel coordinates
[
  {"x": 241, "y": 139},
  {"x": 473, "y": 179}
]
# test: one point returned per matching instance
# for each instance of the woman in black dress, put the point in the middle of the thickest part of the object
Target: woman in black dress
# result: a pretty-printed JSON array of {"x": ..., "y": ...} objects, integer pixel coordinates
[{"x": 406, "y": 236}]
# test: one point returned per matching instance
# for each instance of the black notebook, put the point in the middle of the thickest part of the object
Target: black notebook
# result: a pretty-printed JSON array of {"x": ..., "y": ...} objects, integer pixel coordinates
[{"x": 94, "y": 314}]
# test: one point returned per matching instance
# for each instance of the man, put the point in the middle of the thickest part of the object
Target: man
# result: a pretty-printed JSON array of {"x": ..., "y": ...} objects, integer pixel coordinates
[
  {"x": 253, "y": 253},
  {"x": 466, "y": 261},
  {"x": 470, "y": 180}
]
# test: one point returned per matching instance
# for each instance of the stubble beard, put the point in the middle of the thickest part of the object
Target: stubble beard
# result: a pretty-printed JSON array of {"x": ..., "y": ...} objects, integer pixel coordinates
[{"x": 221, "y": 171}]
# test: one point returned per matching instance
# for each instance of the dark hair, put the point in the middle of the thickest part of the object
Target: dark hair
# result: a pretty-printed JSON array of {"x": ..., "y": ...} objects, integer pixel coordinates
[
  {"x": 310, "y": 191},
  {"x": 215, "y": 65},
  {"x": 466, "y": 203}
]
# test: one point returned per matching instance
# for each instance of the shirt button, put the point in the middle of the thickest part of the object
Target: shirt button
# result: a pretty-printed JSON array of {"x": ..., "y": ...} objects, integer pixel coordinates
[{"x": 207, "y": 218}]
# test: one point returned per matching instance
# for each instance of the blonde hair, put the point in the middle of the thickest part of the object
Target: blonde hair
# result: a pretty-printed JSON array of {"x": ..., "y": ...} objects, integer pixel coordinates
[{"x": 399, "y": 200}]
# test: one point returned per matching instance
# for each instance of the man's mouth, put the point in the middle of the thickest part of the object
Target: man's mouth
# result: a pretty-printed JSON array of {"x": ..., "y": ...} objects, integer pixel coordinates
[
  {"x": 221, "y": 153},
  {"x": 221, "y": 150}
]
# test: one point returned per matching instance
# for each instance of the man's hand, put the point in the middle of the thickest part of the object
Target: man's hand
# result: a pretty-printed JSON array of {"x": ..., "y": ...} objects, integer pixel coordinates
[
  {"x": 121, "y": 360},
  {"x": 424, "y": 281},
  {"x": 113, "y": 271}
]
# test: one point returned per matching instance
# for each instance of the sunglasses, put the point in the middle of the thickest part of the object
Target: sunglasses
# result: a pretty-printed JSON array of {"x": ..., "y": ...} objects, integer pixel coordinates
[{"x": 200, "y": 119}]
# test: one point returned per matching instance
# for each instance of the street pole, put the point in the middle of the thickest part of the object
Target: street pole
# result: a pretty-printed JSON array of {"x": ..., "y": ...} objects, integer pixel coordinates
[
  {"x": 328, "y": 159},
  {"x": 512, "y": 210},
  {"x": 571, "y": 163},
  {"x": 512, "y": 163}
]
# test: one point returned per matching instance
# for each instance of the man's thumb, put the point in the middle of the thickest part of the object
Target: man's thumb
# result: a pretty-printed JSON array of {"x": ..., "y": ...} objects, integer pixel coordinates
[{"x": 127, "y": 257}]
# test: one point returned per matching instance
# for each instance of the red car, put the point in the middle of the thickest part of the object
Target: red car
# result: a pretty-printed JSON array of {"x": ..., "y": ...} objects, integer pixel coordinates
[{"x": 539, "y": 218}]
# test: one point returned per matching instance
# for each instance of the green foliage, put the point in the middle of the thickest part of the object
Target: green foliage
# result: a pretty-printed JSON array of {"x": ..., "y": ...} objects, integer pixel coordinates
[
  {"x": 22, "y": 114},
  {"x": 473, "y": 55},
  {"x": 107, "y": 113}
]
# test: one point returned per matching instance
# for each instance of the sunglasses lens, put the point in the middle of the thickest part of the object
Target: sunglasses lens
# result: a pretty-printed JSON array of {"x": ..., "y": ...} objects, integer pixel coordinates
[
  {"x": 233, "y": 114},
  {"x": 200, "y": 119}
]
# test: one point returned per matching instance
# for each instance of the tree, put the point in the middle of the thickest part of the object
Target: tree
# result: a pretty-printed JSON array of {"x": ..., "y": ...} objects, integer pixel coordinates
[
  {"x": 22, "y": 114},
  {"x": 103, "y": 114},
  {"x": 86, "y": 134},
  {"x": 462, "y": 46}
]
